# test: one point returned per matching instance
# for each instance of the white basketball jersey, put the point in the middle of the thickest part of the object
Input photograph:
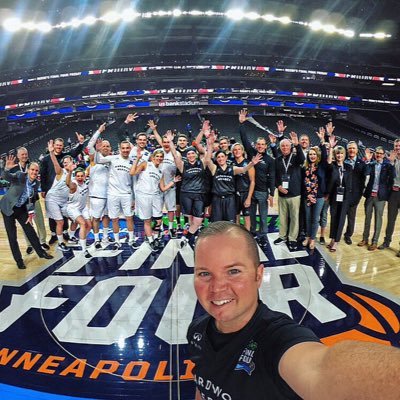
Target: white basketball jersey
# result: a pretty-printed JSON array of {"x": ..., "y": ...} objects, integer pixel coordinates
[
  {"x": 98, "y": 184},
  {"x": 59, "y": 191},
  {"x": 149, "y": 180},
  {"x": 168, "y": 167},
  {"x": 79, "y": 198}
]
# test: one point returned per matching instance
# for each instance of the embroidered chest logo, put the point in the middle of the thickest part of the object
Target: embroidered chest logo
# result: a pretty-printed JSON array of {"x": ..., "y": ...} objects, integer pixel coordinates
[{"x": 245, "y": 361}]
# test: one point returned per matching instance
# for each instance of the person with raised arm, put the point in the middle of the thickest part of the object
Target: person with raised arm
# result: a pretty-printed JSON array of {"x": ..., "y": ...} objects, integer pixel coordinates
[
  {"x": 47, "y": 176},
  {"x": 264, "y": 189},
  {"x": 168, "y": 168},
  {"x": 98, "y": 184},
  {"x": 192, "y": 191},
  {"x": 150, "y": 185},
  {"x": 18, "y": 205},
  {"x": 223, "y": 206}
]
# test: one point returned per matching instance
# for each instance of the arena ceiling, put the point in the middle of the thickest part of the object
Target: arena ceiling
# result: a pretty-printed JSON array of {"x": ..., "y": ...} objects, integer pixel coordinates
[{"x": 201, "y": 39}]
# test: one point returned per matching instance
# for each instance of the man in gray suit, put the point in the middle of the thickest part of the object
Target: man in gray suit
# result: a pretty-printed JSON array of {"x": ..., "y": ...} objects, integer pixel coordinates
[{"x": 18, "y": 205}]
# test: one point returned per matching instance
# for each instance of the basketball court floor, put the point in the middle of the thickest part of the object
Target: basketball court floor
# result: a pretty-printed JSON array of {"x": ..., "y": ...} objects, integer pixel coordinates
[{"x": 114, "y": 326}]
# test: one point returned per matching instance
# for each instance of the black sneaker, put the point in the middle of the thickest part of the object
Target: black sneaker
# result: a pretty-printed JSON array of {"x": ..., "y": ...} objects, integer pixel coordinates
[
  {"x": 62, "y": 247},
  {"x": 20, "y": 264},
  {"x": 73, "y": 239},
  {"x": 158, "y": 243},
  {"x": 97, "y": 245},
  {"x": 173, "y": 233},
  {"x": 279, "y": 241},
  {"x": 53, "y": 239},
  {"x": 66, "y": 236},
  {"x": 44, "y": 246},
  {"x": 152, "y": 246},
  {"x": 292, "y": 246},
  {"x": 29, "y": 250},
  {"x": 116, "y": 246},
  {"x": 183, "y": 242},
  {"x": 322, "y": 241},
  {"x": 134, "y": 244},
  {"x": 87, "y": 254}
]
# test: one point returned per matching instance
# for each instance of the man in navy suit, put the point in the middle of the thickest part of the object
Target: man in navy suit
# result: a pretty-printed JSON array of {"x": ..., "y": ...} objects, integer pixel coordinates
[
  {"x": 376, "y": 195},
  {"x": 18, "y": 205}
]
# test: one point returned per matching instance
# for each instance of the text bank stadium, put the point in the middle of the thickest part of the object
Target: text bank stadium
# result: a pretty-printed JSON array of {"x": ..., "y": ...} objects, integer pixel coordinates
[{"x": 199, "y": 200}]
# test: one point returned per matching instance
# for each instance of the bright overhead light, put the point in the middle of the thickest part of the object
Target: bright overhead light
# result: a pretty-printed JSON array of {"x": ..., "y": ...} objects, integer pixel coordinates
[
  {"x": 315, "y": 25},
  {"x": 177, "y": 13},
  {"x": 29, "y": 25},
  {"x": 111, "y": 17},
  {"x": 235, "y": 14},
  {"x": 195, "y": 12},
  {"x": 129, "y": 15},
  {"x": 252, "y": 16},
  {"x": 75, "y": 23},
  {"x": 269, "y": 17},
  {"x": 329, "y": 28},
  {"x": 12, "y": 24},
  {"x": 285, "y": 20},
  {"x": 89, "y": 20},
  {"x": 348, "y": 33},
  {"x": 43, "y": 27},
  {"x": 379, "y": 35}
]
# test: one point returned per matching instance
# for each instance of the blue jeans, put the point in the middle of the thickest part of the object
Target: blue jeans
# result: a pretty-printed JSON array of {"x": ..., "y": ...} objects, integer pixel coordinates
[
  {"x": 324, "y": 214},
  {"x": 260, "y": 198},
  {"x": 313, "y": 213}
]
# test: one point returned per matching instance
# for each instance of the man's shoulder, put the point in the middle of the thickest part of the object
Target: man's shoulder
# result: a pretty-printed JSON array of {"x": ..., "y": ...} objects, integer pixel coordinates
[{"x": 198, "y": 324}]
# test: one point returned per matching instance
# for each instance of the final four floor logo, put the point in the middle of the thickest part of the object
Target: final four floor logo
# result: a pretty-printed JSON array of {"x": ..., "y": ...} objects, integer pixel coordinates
[{"x": 121, "y": 318}]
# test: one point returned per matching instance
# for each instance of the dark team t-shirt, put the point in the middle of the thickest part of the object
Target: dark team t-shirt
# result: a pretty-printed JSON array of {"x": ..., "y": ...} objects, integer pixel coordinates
[
  {"x": 223, "y": 181},
  {"x": 242, "y": 180},
  {"x": 193, "y": 176},
  {"x": 245, "y": 366}
]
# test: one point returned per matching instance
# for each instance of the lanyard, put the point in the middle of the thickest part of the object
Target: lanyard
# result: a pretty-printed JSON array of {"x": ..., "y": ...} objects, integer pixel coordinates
[
  {"x": 286, "y": 166},
  {"x": 341, "y": 173}
]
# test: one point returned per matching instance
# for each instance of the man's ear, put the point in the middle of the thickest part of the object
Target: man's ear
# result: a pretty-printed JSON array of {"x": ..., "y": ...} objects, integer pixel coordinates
[{"x": 259, "y": 274}]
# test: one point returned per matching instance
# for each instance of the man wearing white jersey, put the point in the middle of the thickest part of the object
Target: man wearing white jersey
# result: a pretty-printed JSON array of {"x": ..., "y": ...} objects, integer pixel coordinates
[
  {"x": 57, "y": 197},
  {"x": 120, "y": 191},
  {"x": 168, "y": 168},
  {"x": 76, "y": 209},
  {"x": 98, "y": 186},
  {"x": 149, "y": 199}
]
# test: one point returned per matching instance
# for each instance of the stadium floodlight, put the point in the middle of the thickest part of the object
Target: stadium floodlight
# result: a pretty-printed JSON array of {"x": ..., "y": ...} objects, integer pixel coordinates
[
  {"x": 111, "y": 17},
  {"x": 252, "y": 16},
  {"x": 284, "y": 20},
  {"x": 30, "y": 26},
  {"x": 12, "y": 24},
  {"x": 329, "y": 29},
  {"x": 129, "y": 15},
  {"x": 89, "y": 20},
  {"x": 315, "y": 25},
  {"x": 269, "y": 17},
  {"x": 195, "y": 13},
  {"x": 75, "y": 23},
  {"x": 235, "y": 14},
  {"x": 177, "y": 13},
  {"x": 379, "y": 35},
  {"x": 348, "y": 33},
  {"x": 43, "y": 27}
]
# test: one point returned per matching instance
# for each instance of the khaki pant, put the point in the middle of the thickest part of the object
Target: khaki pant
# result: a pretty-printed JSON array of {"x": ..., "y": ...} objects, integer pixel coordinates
[
  {"x": 39, "y": 222},
  {"x": 289, "y": 208}
]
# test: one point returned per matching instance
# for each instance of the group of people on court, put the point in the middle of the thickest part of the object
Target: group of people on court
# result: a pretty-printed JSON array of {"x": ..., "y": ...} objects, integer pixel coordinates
[{"x": 209, "y": 177}]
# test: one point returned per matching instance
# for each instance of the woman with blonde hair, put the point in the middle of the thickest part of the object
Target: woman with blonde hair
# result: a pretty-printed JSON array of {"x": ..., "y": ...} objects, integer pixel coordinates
[{"x": 339, "y": 188}]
